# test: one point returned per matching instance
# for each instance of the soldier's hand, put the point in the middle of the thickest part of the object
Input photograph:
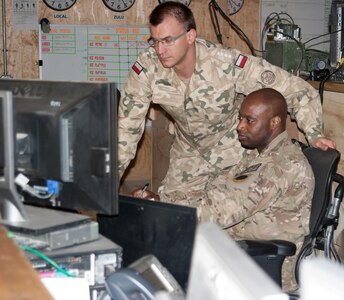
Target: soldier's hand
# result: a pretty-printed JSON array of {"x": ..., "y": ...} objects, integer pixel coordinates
[
  {"x": 323, "y": 143},
  {"x": 146, "y": 194}
]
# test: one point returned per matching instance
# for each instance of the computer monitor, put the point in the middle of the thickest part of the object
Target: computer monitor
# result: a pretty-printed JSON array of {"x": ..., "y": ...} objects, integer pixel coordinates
[
  {"x": 321, "y": 278},
  {"x": 66, "y": 143},
  {"x": 147, "y": 227},
  {"x": 220, "y": 269}
]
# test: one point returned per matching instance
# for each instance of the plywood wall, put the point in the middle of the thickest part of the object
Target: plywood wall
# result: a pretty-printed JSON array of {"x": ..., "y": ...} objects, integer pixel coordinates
[
  {"x": 334, "y": 122},
  {"x": 22, "y": 45}
]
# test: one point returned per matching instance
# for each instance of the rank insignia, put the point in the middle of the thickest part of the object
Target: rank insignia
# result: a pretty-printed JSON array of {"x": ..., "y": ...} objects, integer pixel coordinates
[{"x": 251, "y": 169}]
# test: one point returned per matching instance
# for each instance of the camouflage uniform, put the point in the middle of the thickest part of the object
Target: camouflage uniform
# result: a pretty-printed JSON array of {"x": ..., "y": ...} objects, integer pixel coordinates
[
  {"x": 265, "y": 196},
  {"x": 205, "y": 110}
]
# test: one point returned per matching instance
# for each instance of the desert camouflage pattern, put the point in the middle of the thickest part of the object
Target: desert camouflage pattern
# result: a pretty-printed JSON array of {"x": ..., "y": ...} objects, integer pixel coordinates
[
  {"x": 265, "y": 196},
  {"x": 205, "y": 110}
]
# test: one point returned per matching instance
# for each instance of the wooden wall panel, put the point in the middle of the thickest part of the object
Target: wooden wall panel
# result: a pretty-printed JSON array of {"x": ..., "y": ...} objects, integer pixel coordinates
[
  {"x": 334, "y": 122},
  {"x": 22, "y": 45},
  {"x": 152, "y": 158}
]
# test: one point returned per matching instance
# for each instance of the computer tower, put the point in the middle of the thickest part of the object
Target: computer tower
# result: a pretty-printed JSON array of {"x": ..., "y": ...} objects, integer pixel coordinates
[{"x": 93, "y": 261}]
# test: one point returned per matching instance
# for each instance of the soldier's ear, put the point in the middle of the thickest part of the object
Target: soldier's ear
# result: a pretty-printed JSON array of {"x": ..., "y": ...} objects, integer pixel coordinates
[
  {"x": 275, "y": 122},
  {"x": 191, "y": 36}
]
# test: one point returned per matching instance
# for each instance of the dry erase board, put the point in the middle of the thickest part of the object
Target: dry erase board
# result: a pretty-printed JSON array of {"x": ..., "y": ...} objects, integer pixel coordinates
[{"x": 90, "y": 53}]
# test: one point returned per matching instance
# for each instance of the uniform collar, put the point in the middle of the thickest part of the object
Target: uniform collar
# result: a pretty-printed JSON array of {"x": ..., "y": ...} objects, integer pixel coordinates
[{"x": 275, "y": 143}]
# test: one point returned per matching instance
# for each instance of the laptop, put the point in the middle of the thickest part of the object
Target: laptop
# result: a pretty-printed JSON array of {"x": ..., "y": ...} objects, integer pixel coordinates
[{"x": 161, "y": 229}]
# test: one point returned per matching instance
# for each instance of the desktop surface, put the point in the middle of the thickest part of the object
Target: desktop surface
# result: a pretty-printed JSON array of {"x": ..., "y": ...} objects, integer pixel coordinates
[{"x": 149, "y": 227}]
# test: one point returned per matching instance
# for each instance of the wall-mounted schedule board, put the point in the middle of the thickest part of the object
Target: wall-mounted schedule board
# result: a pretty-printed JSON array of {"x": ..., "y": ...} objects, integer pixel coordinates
[{"x": 90, "y": 53}]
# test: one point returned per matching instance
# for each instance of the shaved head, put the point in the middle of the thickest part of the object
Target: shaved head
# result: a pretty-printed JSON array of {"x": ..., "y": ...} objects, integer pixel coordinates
[
  {"x": 273, "y": 101},
  {"x": 262, "y": 117}
]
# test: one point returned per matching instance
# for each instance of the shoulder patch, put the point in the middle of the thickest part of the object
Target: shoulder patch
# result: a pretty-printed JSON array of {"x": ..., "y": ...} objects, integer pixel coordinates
[
  {"x": 268, "y": 77},
  {"x": 137, "y": 68},
  {"x": 241, "y": 61}
]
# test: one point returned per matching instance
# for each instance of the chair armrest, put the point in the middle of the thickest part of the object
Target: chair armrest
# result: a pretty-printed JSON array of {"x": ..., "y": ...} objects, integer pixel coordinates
[{"x": 267, "y": 247}]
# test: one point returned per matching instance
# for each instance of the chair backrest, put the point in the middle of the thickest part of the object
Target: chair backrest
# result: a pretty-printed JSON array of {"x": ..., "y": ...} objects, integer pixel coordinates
[{"x": 324, "y": 165}]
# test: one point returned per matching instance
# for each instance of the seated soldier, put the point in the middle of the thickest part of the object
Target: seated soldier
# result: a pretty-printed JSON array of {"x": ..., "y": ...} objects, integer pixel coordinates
[{"x": 267, "y": 195}]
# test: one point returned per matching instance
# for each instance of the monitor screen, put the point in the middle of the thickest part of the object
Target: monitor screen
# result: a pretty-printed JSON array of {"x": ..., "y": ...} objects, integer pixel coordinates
[
  {"x": 66, "y": 143},
  {"x": 161, "y": 229},
  {"x": 220, "y": 269}
]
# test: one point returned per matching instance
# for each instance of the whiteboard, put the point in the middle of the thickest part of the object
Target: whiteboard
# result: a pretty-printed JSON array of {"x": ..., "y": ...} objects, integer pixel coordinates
[{"x": 90, "y": 53}]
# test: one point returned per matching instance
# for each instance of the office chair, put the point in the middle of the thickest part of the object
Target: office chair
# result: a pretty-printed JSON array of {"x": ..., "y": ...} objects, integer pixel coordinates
[
  {"x": 324, "y": 218},
  {"x": 325, "y": 204}
]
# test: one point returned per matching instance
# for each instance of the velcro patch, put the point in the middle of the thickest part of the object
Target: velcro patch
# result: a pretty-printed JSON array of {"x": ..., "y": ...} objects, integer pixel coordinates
[
  {"x": 241, "y": 61},
  {"x": 137, "y": 68},
  {"x": 268, "y": 77},
  {"x": 245, "y": 174},
  {"x": 252, "y": 168},
  {"x": 245, "y": 178}
]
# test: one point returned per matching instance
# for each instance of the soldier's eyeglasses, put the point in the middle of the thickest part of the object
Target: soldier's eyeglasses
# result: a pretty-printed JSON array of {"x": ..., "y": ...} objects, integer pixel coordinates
[{"x": 166, "y": 41}]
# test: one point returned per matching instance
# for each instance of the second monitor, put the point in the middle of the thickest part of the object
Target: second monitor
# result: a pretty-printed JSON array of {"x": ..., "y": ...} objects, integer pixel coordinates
[{"x": 66, "y": 142}]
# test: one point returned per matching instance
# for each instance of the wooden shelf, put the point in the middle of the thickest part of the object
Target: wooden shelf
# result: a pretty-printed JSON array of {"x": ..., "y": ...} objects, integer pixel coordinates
[{"x": 330, "y": 86}]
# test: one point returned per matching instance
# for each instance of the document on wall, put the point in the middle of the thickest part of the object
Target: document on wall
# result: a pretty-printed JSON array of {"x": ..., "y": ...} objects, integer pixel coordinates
[
  {"x": 24, "y": 14},
  {"x": 90, "y": 53}
]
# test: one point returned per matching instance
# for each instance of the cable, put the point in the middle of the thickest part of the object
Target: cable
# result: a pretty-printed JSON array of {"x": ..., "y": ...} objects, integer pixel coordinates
[
  {"x": 322, "y": 42},
  {"x": 23, "y": 181},
  {"x": 47, "y": 259},
  {"x": 215, "y": 22},
  {"x": 334, "y": 253},
  {"x": 41, "y": 255},
  {"x": 317, "y": 37},
  {"x": 275, "y": 17},
  {"x": 322, "y": 82},
  {"x": 315, "y": 50},
  {"x": 235, "y": 27}
]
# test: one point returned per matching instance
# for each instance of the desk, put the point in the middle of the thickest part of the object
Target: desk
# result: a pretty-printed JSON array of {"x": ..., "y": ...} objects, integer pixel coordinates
[{"x": 18, "y": 280}]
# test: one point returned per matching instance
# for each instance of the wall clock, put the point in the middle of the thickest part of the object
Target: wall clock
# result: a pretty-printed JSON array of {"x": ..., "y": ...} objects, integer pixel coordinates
[
  {"x": 185, "y": 2},
  {"x": 119, "y": 5},
  {"x": 59, "y": 4},
  {"x": 234, "y": 6}
]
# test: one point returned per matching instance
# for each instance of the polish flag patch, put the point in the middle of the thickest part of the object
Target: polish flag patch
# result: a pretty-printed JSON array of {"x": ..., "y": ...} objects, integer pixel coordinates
[
  {"x": 137, "y": 68},
  {"x": 241, "y": 61}
]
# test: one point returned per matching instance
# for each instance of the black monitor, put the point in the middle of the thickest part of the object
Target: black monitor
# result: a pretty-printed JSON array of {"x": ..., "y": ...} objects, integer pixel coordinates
[
  {"x": 66, "y": 143},
  {"x": 162, "y": 229}
]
